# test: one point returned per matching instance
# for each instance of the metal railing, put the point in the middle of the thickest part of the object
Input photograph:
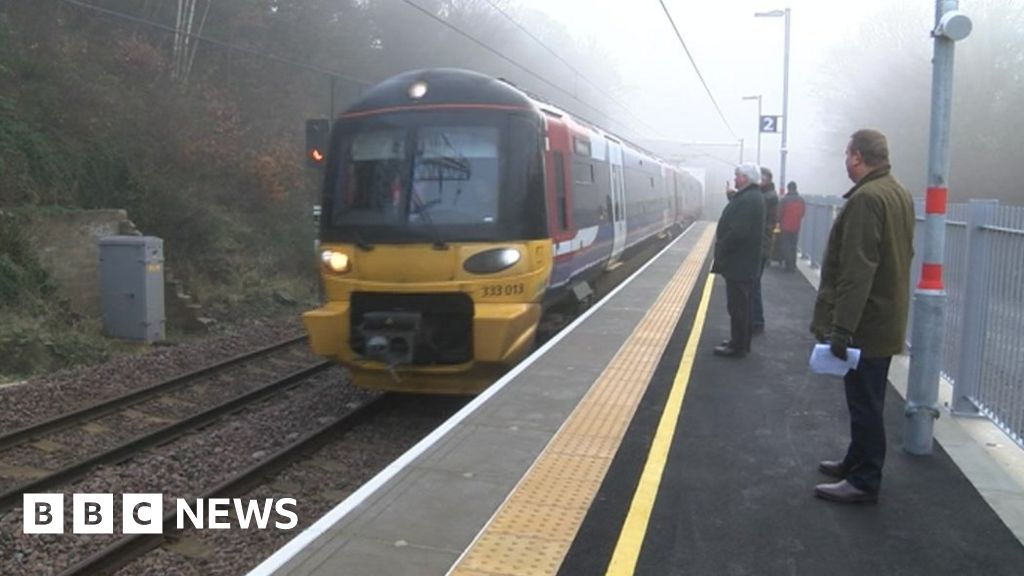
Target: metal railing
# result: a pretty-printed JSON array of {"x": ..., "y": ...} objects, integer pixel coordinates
[{"x": 983, "y": 338}]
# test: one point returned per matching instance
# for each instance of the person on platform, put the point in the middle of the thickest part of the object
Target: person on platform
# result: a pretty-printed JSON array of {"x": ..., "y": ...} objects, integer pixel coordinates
[
  {"x": 863, "y": 302},
  {"x": 771, "y": 218},
  {"x": 738, "y": 256},
  {"x": 791, "y": 214}
]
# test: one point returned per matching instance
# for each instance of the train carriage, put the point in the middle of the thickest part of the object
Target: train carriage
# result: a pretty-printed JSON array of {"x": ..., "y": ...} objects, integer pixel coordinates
[{"x": 457, "y": 212}]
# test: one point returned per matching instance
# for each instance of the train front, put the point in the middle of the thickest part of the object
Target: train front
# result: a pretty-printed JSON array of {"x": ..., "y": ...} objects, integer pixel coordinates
[{"x": 434, "y": 252}]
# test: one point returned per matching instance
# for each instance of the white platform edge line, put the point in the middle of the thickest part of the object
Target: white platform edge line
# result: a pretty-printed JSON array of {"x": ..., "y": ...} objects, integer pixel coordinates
[{"x": 278, "y": 559}]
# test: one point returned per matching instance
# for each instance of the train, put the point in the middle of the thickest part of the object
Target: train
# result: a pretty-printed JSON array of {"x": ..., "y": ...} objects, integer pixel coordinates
[{"x": 458, "y": 213}]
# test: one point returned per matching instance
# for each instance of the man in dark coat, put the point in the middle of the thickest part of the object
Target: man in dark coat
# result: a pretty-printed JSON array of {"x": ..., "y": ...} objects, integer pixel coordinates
[
  {"x": 863, "y": 301},
  {"x": 738, "y": 243},
  {"x": 771, "y": 217},
  {"x": 791, "y": 214}
]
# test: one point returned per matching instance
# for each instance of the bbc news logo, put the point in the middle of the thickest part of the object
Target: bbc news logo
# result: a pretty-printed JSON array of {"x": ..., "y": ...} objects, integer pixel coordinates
[{"x": 144, "y": 513}]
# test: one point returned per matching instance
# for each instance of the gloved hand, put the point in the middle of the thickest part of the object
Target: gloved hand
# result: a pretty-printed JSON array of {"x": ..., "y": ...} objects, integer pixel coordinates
[{"x": 839, "y": 340}]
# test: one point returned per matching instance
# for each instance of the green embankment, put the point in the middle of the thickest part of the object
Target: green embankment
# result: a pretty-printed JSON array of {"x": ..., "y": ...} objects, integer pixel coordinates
[{"x": 90, "y": 119}]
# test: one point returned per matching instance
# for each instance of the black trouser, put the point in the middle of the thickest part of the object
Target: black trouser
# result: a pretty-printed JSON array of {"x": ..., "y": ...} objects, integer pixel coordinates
[
  {"x": 757, "y": 309},
  {"x": 739, "y": 297},
  {"x": 865, "y": 398},
  {"x": 788, "y": 248}
]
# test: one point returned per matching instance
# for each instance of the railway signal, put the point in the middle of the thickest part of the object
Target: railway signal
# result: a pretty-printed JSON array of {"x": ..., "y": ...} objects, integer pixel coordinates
[{"x": 318, "y": 131}]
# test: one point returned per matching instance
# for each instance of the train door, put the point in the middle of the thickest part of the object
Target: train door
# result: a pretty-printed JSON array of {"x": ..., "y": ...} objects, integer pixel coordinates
[
  {"x": 618, "y": 200},
  {"x": 559, "y": 154},
  {"x": 666, "y": 198},
  {"x": 678, "y": 202}
]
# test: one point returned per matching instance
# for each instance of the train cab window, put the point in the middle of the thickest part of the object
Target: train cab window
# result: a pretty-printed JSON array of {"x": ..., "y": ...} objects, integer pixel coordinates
[
  {"x": 561, "y": 202},
  {"x": 455, "y": 175},
  {"x": 437, "y": 176},
  {"x": 430, "y": 176},
  {"x": 375, "y": 181}
]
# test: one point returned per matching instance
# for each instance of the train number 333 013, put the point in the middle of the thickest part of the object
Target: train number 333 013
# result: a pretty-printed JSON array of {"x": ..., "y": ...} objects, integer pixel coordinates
[{"x": 503, "y": 290}]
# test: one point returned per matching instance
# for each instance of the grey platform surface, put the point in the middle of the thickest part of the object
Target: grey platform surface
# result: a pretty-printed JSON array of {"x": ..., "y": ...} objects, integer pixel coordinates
[
  {"x": 737, "y": 493},
  {"x": 736, "y": 497},
  {"x": 419, "y": 520}
]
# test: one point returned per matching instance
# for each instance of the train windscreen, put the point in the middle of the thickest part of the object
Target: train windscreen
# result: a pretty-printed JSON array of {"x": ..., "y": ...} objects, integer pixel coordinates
[{"x": 415, "y": 178}]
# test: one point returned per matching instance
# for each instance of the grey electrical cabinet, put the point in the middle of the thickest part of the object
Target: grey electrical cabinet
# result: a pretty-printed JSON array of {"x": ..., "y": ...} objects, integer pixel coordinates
[{"x": 132, "y": 287}]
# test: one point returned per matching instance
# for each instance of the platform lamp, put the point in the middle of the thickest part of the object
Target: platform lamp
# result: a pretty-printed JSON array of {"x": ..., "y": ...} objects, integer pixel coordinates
[{"x": 785, "y": 91}]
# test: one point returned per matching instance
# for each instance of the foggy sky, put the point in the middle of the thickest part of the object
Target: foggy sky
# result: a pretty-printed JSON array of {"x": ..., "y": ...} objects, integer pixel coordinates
[{"x": 833, "y": 45}]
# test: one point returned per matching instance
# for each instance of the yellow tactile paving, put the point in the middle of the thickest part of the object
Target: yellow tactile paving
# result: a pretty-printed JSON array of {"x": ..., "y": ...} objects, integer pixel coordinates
[{"x": 532, "y": 531}]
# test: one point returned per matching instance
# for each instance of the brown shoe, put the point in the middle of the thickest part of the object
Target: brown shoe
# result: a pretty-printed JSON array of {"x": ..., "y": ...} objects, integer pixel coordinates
[
  {"x": 833, "y": 468},
  {"x": 844, "y": 492}
]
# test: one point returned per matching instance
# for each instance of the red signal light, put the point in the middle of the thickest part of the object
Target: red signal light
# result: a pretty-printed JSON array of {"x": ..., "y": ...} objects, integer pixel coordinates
[{"x": 318, "y": 133}]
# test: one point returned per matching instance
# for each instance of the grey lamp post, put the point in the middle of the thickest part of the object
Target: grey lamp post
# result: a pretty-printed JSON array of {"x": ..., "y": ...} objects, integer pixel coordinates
[
  {"x": 785, "y": 92},
  {"x": 758, "y": 98}
]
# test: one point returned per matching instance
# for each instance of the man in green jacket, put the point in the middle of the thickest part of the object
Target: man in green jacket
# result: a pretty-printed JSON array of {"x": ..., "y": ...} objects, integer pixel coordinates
[
  {"x": 862, "y": 302},
  {"x": 738, "y": 256}
]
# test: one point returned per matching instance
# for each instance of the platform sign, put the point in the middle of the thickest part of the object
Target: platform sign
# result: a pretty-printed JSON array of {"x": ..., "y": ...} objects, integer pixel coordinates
[{"x": 770, "y": 123}]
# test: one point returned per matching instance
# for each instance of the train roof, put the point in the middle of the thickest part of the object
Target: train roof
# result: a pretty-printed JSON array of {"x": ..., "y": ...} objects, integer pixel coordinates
[
  {"x": 448, "y": 86},
  {"x": 442, "y": 86}
]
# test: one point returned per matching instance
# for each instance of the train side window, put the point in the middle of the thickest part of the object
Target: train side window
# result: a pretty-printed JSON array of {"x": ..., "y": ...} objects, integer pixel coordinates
[
  {"x": 583, "y": 172},
  {"x": 560, "y": 198},
  {"x": 581, "y": 146}
]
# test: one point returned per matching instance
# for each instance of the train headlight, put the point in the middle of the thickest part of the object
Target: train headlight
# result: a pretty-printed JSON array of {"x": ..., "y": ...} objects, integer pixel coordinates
[
  {"x": 336, "y": 261},
  {"x": 418, "y": 90},
  {"x": 491, "y": 261}
]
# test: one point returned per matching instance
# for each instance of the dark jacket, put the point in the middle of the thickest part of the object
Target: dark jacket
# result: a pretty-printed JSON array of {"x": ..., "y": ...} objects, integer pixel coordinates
[
  {"x": 738, "y": 238},
  {"x": 771, "y": 218},
  {"x": 791, "y": 212},
  {"x": 865, "y": 274}
]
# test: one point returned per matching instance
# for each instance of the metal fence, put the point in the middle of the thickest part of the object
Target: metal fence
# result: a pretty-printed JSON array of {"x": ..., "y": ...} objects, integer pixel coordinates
[{"x": 983, "y": 339}]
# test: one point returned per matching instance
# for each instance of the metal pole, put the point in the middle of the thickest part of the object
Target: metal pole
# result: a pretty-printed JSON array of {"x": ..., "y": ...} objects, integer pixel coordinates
[
  {"x": 757, "y": 124},
  {"x": 741, "y": 150},
  {"x": 758, "y": 129},
  {"x": 330, "y": 116},
  {"x": 967, "y": 386},
  {"x": 930, "y": 294},
  {"x": 785, "y": 110}
]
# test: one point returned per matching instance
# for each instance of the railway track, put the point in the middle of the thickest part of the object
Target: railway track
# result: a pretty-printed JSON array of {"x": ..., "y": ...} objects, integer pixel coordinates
[
  {"x": 184, "y": 384},
  {"x": 129, "y": 548}
]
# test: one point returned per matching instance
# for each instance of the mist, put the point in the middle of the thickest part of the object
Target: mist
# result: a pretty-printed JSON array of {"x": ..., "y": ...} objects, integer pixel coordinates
[
  {"x": 868, "y": 67},
  {"x": 620, "y": 66}
]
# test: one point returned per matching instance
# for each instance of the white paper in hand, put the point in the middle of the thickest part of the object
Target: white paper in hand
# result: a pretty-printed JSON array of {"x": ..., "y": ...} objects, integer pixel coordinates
[{"x": 823, "y": 362}]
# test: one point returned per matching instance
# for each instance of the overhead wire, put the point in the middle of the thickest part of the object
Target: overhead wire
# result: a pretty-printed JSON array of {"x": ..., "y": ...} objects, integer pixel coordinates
[
  {"x": 498, "y": 53},
  {"x": 363, "y": 82},
  {"x": 557, "y": 56},
  {"x": 221, "y": 43},
  {"x": 697, "y": 69}
]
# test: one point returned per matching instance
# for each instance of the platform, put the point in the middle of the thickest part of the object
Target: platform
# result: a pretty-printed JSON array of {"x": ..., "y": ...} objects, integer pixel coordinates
[{"x": 624, "y": 446}]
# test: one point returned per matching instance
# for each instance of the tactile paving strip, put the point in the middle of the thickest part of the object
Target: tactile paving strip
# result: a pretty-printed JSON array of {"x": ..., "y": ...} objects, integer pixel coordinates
[{"x": 532, "y": 531}]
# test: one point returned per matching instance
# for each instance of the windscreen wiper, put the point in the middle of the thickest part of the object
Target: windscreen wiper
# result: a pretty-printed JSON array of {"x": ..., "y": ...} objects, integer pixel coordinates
[
  {"x": 423, "y": 212},
  {"x": 439, "y": 243},
  {"x": 360, "y": 243}
]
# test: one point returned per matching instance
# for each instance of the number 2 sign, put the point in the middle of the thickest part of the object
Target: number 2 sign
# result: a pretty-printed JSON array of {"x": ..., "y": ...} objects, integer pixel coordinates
[{"x": 770, "y": 123}]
